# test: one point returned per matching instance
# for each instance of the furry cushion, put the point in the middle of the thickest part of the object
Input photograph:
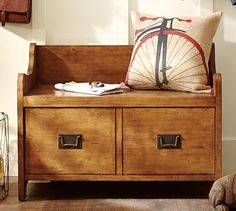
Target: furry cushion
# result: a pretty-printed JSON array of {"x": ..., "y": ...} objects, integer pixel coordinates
[
  {"x": 223, "y": 193},
  {"x": 171, "y": 53}
]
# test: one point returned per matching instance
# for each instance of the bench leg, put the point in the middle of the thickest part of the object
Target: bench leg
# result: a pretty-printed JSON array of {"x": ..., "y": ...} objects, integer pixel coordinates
[{"x": 22, "y": 187}]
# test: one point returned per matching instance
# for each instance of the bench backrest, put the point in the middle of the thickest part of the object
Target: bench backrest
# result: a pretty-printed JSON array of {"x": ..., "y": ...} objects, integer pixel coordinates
[{"x": 108, "y": 64}]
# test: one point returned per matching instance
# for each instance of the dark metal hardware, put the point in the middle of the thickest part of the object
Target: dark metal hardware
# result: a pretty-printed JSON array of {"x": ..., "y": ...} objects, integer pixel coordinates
[
  {"x": 69, "y": 141},
  {"x": 169, "y": 141}
]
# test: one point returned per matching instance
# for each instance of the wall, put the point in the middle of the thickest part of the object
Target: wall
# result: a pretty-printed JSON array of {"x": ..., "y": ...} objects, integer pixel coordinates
[
  {"x": 102, "y": 22},
  {"x": 14, "y": 50},
  {"x": 13, "y": 59},
  {"x": 226, "y": 63},
  {"x": 86, "y": 22}
]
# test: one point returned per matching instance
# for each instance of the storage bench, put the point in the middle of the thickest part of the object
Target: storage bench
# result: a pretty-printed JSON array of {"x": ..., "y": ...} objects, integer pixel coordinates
[{"x": 134, "y": 136}]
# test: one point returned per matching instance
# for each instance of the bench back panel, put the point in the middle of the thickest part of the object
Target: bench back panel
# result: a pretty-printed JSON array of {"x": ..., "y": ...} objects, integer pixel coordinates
[{"x": 109, "y": 64}]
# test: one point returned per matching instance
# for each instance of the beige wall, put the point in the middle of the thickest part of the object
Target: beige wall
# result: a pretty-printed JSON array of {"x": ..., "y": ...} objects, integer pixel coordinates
[
  {"x": 14, "y": 50},
  {"x": 106, "y": 22},
  {"x": 13, "y": 59},
  {"x": 226, "y": 64},
  {"x": 86, "y": 22}
]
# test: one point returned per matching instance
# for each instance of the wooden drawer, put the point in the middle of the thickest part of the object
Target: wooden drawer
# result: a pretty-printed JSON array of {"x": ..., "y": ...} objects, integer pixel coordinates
[
  {"x": 43, "y": 155},
  {"x": 142, "y": 155}
]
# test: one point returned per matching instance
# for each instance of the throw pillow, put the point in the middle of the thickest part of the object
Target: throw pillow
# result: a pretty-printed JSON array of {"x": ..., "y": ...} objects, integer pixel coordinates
[{"x": 172, "y": 53}]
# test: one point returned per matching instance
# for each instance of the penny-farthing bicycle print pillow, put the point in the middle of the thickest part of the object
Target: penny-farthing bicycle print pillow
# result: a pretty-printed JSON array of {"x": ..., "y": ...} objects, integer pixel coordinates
[{"x": 172, "y": 53}]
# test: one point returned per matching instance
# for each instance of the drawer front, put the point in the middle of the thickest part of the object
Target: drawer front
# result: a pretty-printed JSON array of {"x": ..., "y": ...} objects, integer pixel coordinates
[
  {"x": 90, "y": 151},
  {"x": 190, "y": 149}
]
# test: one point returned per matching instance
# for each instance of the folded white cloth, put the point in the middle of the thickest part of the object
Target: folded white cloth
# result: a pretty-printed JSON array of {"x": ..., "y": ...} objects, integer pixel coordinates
[{"x": 85, "y": 88}]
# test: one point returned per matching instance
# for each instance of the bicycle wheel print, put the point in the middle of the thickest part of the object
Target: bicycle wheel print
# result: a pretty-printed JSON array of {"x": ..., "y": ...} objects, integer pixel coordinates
[{"x": 181, "y": 74}]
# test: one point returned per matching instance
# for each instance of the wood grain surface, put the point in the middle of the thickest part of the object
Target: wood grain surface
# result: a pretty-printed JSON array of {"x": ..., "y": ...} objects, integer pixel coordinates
[
  {"x": 119, "y": 141},
  {"x": 82, "y": 63},
  {"x": 43, "y": 156},
  {"x": 20, "y": 114},
  {"x": 150, "y": 177},
  {"x": 218, "y": 134},
  {"x": 47, "y": 96},
  {"x": 141, "y": 127}
]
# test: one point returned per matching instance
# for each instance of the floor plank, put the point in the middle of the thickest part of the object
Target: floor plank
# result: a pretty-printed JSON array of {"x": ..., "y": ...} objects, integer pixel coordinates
[{"x": 106, "y": 196}]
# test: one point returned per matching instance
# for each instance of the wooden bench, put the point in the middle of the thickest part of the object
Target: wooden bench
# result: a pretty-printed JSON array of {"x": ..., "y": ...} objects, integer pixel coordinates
[{"x": 71, "y": 136}]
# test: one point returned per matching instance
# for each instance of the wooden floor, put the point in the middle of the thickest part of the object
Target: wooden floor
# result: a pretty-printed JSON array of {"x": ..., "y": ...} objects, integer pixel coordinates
[{"x": 96, "y": 196}]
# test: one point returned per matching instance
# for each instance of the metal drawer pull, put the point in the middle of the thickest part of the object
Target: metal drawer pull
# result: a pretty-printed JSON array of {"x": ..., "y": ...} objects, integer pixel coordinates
[
  {"x": 68, "y": 141},
  {"x": 169, "y": 141}
]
